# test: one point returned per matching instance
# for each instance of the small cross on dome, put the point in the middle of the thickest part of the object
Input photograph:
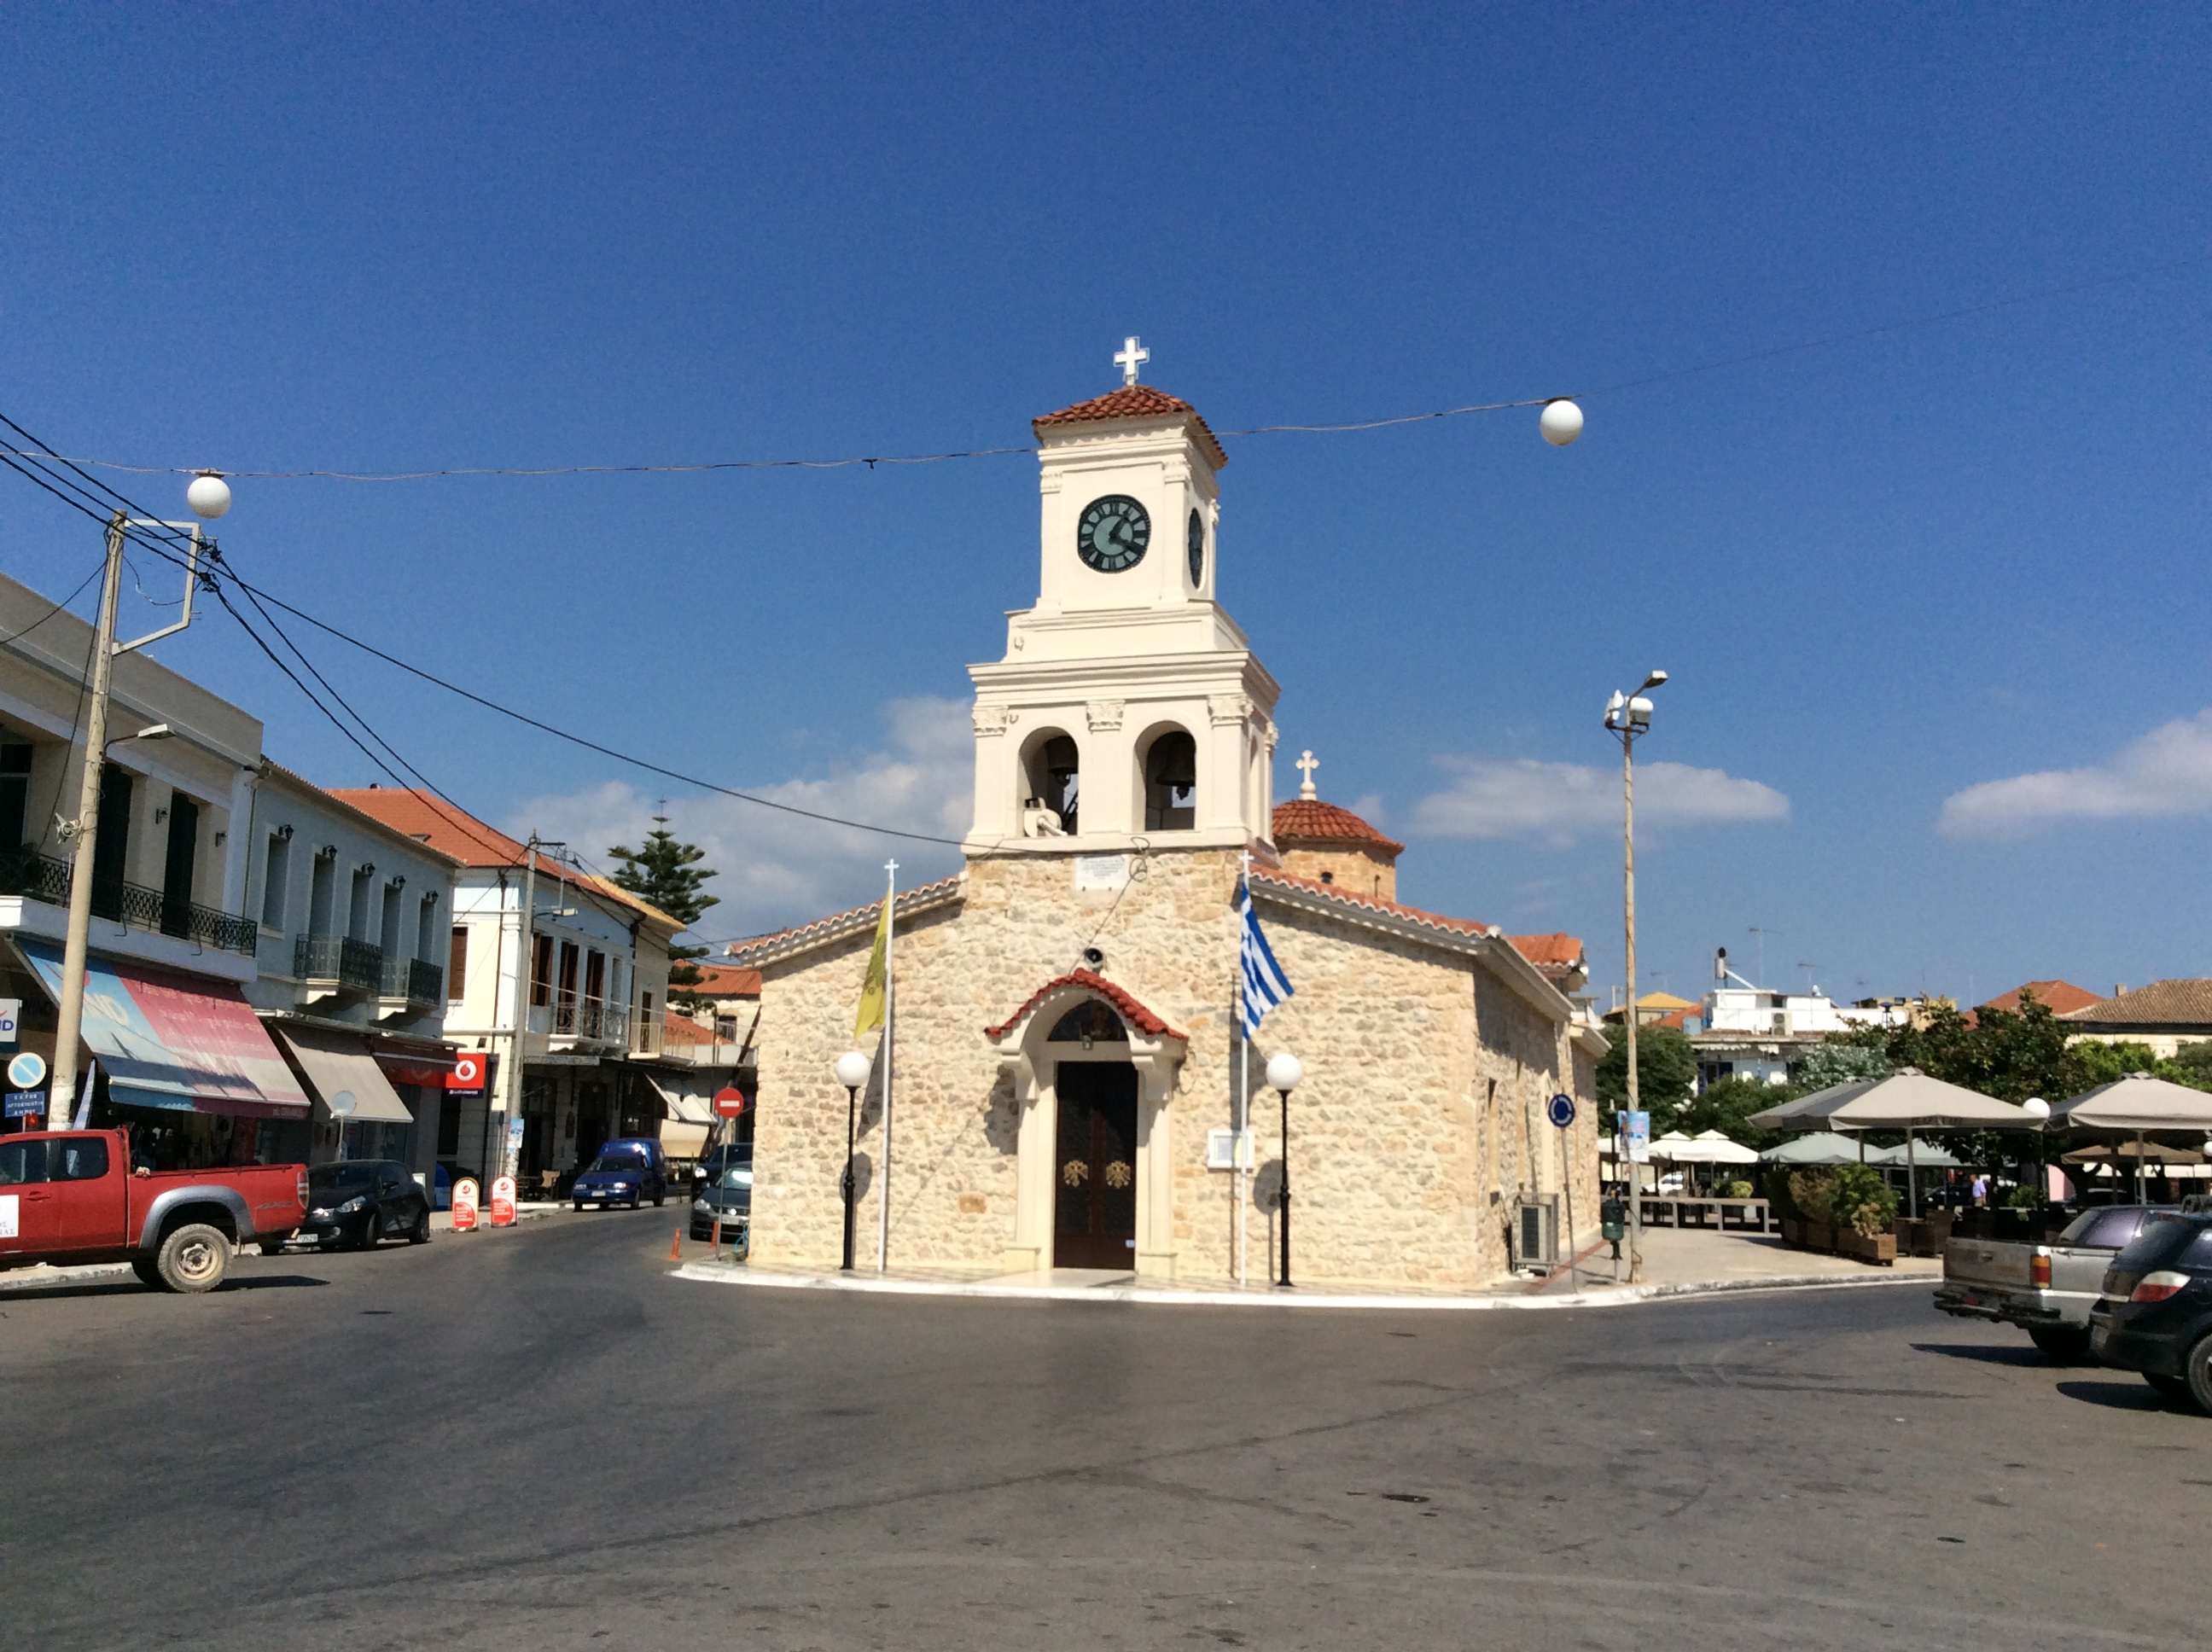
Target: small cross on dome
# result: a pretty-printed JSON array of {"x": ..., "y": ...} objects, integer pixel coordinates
[
  {"x": 1306, "y": 764},
  {"x": 1131, "y": 356}
]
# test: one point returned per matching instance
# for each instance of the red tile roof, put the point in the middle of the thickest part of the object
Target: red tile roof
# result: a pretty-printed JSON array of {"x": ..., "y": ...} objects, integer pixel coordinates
[
  {"x": 724, "y": 981},
  {"x": 1308, "y": 820},
  {"x": 782, "y": 942},
  {"x": 455, "y": 832},
  {"x": 2059, "y": 997},
  {"x": 1376, "y": 903},
  {"x": 2185, "y": 1002},
  {"x": 1134, "y": 402},
  {"x": 1558, "y": 951},
  {"x": 1131, "y": 1012}
]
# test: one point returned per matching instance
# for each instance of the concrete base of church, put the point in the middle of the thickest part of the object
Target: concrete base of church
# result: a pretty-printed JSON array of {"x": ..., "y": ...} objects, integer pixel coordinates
[{"x": 1418, "y": 1127}]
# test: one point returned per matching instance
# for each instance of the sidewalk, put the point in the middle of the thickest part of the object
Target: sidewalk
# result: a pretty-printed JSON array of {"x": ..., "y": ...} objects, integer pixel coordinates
[{"x": 1675, "y": 1264}]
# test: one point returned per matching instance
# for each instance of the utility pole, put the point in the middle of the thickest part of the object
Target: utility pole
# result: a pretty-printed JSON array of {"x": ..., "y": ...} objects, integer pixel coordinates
[
  {"x": 210, "y": 497},
  {"x": 510, "y": 1077},
  {"x": 1628, "y": 716}
]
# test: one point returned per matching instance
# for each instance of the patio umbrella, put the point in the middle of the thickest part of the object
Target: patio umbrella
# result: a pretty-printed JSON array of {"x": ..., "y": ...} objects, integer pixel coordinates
[
  {"x": 1821, "y": 1147},
  {"x": 1929, "y": 1158},
  {"x": 1907, "y": 1100},
  {"x": 1718, "y": 1147},
  {"x": 2139, "y": 1103}
]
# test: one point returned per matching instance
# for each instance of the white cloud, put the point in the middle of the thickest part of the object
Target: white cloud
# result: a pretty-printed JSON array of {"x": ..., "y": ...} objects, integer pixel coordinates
[
  {"x": 777, "y": 869},
  {"x": 2166, "y": 772},
  {"x": 1522, "y": 797}
]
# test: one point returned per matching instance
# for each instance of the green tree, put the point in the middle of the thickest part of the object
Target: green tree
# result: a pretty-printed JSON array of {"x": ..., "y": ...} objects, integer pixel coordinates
[
  {"x": 1841, "y": 1059},
  {"x": 667, "y": 874},
  {"x": 1724, "y": 1105},
  {"x": 1666, "y": 1072}
]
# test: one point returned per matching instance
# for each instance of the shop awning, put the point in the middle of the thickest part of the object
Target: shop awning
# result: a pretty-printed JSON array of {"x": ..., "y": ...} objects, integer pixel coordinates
[
  {"x": 338, "y": 1064},
  {"x": 167, "y": 1039},
  {"x": 690, "y": 1096},
  {"x": 405, "y": 1065}
]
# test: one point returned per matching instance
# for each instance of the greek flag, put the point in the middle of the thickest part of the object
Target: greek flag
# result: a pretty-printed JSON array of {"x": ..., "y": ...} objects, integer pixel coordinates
[{"x": 1265, "y": 985}]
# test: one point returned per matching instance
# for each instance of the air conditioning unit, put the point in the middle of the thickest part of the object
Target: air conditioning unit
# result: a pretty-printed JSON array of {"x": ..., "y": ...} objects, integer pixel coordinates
[{"x": 1536, "y": 1233}]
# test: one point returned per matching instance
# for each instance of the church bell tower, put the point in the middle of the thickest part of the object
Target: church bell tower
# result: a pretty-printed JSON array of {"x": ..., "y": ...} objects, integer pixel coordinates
[{"x": 1129, "y": 710}]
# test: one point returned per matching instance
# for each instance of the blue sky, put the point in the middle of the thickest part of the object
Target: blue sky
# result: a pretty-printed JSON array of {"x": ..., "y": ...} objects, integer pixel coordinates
[{"x": 1895, "y": 579}]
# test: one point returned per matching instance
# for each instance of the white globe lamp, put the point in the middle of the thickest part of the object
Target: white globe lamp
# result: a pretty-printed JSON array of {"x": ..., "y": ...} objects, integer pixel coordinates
[
  {"x": 853, "y": 1069},
  {"x": 208, "y": 495},
  {"x": 2036, "y": 1109},
  {"x": 1284, "y": 1070},
  {"x": 1561, "y": 422}
]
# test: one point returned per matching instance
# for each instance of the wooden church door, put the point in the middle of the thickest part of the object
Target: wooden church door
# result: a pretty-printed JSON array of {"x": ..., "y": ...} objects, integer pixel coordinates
[{"x": 1095, "y": 1170}]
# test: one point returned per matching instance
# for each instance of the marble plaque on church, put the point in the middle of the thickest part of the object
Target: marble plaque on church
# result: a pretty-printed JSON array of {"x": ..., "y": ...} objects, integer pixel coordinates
[{"x": 1102, "y": 871}]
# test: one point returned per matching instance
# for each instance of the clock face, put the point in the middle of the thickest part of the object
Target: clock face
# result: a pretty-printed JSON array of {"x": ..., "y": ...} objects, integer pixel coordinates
[
  {"x": 1113, "y": 533},
  {"x": 1197, "y": 550}
]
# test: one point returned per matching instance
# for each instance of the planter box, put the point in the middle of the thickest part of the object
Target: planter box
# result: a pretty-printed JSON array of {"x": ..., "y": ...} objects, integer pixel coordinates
[
  {"x": 1838, "y": 1241},
  {"x": 1882, "y": 1250}
]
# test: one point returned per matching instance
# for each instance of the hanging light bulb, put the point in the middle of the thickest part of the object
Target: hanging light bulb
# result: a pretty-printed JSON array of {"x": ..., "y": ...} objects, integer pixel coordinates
[
  {"x": 1561, "y": 422},
  {"x": 210, "y": 494}
]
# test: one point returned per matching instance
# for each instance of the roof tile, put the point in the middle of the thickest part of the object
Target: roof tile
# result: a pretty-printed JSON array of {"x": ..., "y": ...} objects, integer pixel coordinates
[
  {"x": 1308, "y": 820},
  {"x": 1131, "y": 1010},
  {"x": 2186, "y": 1002},
  {"x": 1134, "y": 402}
]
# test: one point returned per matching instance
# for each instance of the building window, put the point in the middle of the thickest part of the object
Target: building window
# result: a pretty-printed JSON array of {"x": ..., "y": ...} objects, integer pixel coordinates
[
  {"x": 595, "y": 975},
  {"x": 456, "y": 964},
  {"x": 322, "y": 892},
  {"x": 387, "y": 928},
  {"x": 568, "y": 950},
  {"x": 426, "y": 929},
  {"x": 358, "y": 903},
  {"x": 276, "y": 874},
  {"x": 1056, "y": 780},
  {"x": 1172, "y": 783},
  {"x": 14, "y": 796},
  {"x": 541, "y": 969}
]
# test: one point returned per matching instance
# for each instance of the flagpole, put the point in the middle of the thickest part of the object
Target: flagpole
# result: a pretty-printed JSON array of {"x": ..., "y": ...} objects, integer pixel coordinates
[
  {"x": 891, "y": 1011},
  {"x": 1243, "y": 1118}
]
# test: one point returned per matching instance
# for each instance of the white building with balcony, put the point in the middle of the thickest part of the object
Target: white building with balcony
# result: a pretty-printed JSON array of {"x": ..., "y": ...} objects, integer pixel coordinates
[
  {"x": 592, "y": 972},
  {"x": 1753, "y": 1032}
]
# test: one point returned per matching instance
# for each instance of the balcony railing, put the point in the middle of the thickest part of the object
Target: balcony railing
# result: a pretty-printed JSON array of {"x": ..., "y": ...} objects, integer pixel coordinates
[
  {"x": 591, "y": 1018},
  {"x": 339, "y": 961},
  {"x": 43, "y": 878},
  {"x": 412, "y": 979}
]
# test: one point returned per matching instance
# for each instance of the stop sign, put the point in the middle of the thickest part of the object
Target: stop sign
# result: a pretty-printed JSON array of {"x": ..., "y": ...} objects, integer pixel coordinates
[{"x": 729, "y": 1103}]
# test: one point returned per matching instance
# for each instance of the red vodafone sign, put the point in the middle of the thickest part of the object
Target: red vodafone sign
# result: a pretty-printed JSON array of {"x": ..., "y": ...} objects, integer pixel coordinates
[
  {"x": 502, "y": 1202},
  {"x": 730, "y": 1103},
  {"x": 467, "y": 1078},
  {"x": 464, "y": 1205}
]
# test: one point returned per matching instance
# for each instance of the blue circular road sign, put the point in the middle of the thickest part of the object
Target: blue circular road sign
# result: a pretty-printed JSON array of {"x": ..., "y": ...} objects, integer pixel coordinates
[{"x": 1560, "y": 1109}]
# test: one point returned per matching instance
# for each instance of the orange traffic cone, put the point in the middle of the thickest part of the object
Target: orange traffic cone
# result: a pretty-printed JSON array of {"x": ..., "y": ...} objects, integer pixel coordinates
[{"x": 676, "y": 1247}]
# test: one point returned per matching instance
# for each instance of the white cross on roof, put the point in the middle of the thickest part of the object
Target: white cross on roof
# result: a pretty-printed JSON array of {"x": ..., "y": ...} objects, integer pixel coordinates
[
  {"x": 1306, "y": 764},
  {"x": 1132, "y": 356}
]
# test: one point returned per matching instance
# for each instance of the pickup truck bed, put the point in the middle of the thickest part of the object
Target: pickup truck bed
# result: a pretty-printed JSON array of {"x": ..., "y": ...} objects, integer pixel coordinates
[
  {"x": 71, "y": 1196},
  {"x": 2046, "y": 1289}
]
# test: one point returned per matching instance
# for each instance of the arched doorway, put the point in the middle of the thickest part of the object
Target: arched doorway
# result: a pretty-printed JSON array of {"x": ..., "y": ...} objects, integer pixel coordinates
[{"x": 1094, "y": 1140}]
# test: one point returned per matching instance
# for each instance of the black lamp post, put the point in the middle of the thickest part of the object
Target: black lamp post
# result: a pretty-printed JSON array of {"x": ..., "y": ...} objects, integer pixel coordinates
[
  {"x": 852, "y": 1071},
  {"x": 1283, "y": 1071}
]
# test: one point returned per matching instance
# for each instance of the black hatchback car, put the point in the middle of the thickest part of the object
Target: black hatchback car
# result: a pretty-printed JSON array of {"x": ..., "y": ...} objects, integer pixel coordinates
[
  {"x": 363, "y": 1200},
  {"x": 2156, "y": 1314}
]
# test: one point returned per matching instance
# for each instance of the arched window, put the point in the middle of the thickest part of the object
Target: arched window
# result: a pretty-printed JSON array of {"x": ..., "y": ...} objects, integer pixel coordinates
[
  {"x": 1172, "y": 783},
  {"x": 1056, "y": 780},
  {"x": 1090, "y": 1021}
]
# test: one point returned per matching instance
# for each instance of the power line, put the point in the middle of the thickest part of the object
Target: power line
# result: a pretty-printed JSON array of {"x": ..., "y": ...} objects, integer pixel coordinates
[{"x": 872, "y": 461}]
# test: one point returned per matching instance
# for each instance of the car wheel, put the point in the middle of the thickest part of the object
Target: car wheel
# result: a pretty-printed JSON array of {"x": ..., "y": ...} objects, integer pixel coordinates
[
  {"x": 194, "y": 1258},
  {"x": 2173, "y": 1388},
  {"x": 660, "y": 1197},
  {"x": 2064, "y": 1344},
  {"x": 579, "y": 1207},
  {"x": 272, "y": 1247},
  {"x": 420, "y": 1233},
  {"x": 2198, "y": 1367}
]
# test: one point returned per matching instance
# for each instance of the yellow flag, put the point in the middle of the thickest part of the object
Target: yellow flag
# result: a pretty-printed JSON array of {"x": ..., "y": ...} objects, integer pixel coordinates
[{"x": 871, "y": 989}]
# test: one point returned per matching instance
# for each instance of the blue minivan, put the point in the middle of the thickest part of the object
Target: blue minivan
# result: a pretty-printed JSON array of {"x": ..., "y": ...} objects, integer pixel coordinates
[{"x": 626, "y": 1172}]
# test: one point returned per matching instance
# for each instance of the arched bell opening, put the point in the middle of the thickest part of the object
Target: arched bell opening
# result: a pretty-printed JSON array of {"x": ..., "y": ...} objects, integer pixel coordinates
[
  {"x": 1171, "y": 770},
  {"x": 1052, "y": 785}
]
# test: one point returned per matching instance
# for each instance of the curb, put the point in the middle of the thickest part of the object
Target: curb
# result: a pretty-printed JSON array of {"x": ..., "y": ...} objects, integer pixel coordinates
[
  {"x": 32, "y": 1279},
  {"x": 707, "y": 1274}
]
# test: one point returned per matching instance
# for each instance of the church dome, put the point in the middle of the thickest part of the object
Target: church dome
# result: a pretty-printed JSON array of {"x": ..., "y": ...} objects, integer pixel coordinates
[{"x": 1308, "y": 821}]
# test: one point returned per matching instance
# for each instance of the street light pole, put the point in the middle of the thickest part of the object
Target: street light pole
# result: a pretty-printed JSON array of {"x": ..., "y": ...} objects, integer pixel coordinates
[
  {"x": 852, "y": 1071},
  {"x": 209, "y": 497},
  {"x": 1283, "y": 1071},
  {"x": 1628, "y": 716},
  {"x": 526, "y": 970}
]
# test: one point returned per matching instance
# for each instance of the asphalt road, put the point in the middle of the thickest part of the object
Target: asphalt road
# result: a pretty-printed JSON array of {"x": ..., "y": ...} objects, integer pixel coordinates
[{"x": 538, "y": 1440}]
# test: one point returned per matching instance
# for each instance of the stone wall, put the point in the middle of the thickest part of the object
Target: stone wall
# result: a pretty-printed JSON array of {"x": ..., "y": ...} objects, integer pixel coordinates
[{"x": 1408, "y": 1137}]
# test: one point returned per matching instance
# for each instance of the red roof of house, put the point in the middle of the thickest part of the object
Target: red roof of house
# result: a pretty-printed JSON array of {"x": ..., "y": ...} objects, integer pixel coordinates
[
  {"x": 1134, "y": 402},
  {"x": 1311, "y": 821},
  {"x": 1131, "y": 1012},
  {"x": 725, "y": 981},
  {"x": 1558, "y": 951},
  {"x": 2057, "y": 996},
  {"x": 455, "y": 832}
]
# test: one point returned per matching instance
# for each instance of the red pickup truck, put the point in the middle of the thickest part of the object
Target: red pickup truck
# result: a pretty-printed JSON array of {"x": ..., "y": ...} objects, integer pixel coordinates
[{"x": 71, "y": 1196}]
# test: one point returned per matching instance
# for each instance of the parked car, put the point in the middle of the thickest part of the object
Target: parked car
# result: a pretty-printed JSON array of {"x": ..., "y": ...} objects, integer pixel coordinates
[
  {"x": 728, "y": 1196},
  {"x": 710, "y": 1167},
  {"x": 2046, "y": 1288},
  {"x": 356, "y": 1203},
  {"x": 2155, "y": 1316},
  {"x": 619, "y": 1175},
  {"x": 648, "y": 1148},
  {"x": 73, "y": 1196}
]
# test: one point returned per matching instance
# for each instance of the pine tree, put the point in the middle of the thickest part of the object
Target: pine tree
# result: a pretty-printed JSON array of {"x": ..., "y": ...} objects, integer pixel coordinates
[{"x": 667, "y": 873}]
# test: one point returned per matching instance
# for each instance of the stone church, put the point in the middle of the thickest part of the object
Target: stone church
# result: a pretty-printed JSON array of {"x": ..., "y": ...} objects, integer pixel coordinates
[{"x": 1067, "y": 1062}]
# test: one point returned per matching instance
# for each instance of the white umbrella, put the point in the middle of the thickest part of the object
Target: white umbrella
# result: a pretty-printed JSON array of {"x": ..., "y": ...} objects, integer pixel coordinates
[
  {"x": 1906, "y": 1100},
  {"x": 1821, "y": 1147},
  {"x": 2139, "y": 1103}
]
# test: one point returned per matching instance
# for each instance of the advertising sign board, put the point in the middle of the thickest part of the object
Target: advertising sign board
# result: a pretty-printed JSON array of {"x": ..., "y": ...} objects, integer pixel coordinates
[
  {"x": 464, "y": 1205},
  {"x": 467, "y": 1078},
  {"x": 1636, "y": 1137},
  {"x": 11, "y": 1017},
  {"x": 502, "y": 1202}
]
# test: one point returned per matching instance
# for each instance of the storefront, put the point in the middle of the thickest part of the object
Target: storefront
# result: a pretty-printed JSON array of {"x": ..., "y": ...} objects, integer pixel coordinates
[{"x": 182, "y": 1062}]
